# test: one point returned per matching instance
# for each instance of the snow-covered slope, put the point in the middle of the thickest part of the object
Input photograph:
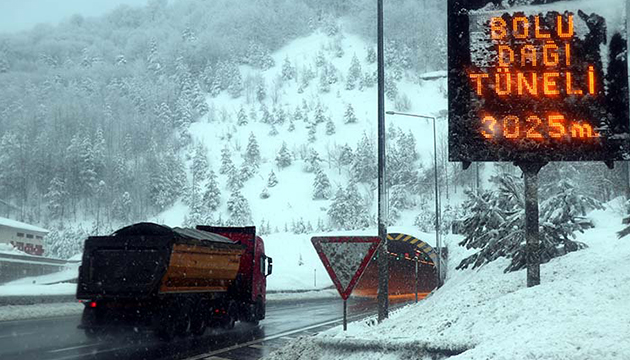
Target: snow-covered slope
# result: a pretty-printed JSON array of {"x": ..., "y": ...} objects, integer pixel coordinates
[
  {"x": 579, "y": 311},
  {"x": 292, "y": 199}
]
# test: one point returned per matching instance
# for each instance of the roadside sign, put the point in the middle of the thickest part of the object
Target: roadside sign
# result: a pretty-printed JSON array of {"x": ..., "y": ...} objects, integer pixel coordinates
[
  {"x": 345, "y": 258},
  {"x": 531, "y": 82}
]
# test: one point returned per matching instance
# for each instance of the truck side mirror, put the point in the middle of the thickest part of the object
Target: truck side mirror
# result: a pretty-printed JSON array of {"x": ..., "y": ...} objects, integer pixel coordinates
[{"x": 269, "y": 266}]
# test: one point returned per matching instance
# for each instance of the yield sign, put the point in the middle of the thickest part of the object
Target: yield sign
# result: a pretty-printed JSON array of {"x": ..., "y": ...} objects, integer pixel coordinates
[{"x": 345, "y": 258}]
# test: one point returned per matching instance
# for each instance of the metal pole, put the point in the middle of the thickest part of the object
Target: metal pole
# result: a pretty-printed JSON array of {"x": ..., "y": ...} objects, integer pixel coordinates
[
  {"x": 383, "y": 257},
  {"x": 416, "y": 282},
  {"x": 345, "y": 315},
  {"x": 437, "y": 209},
  {"x": 532, "y": 247},
  {"x": 437, "y": 194},
  {"x": 314, "y": 277}
]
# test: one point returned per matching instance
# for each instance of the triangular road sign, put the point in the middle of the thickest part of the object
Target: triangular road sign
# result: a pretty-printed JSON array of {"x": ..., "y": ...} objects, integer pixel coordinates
[{"x": 345, "y": 258}]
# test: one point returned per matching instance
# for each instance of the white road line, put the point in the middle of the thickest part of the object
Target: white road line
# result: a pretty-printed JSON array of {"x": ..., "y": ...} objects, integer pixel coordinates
[
  {"x": 74, "y": 347},
  {"x": 16, "y": 335},
  {"x": 217, "y": 358},
  {"x": 92, "y": 353},
  {"x": 208, "y": 356}
]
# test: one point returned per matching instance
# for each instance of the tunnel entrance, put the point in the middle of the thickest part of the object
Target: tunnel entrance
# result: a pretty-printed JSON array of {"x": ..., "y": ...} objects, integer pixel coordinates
[{"x": 404, "y": 251}]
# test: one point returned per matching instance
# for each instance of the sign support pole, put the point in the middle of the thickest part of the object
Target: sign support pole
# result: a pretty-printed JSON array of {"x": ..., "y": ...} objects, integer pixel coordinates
[
  {"x": 345, "y": 315},
  {"x": 532, "y": 247},
  {"x": 383, "y": 256},
  {"x": 416, "y": 282}
]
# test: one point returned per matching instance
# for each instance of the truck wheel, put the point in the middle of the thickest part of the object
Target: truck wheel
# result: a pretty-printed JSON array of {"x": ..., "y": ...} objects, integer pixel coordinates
[
  {"x": 198, "y": 324},
  {"x": 182, "y": 324},
  {"x": 230, "y": 321}
]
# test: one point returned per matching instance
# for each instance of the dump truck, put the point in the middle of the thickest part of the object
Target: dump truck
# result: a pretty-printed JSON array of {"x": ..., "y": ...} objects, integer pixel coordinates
[{"x": 175, "y": 281}]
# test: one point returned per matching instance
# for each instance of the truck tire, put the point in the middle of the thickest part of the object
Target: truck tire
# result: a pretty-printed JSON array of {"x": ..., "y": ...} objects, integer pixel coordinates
[{"x": 230, "y": 319}]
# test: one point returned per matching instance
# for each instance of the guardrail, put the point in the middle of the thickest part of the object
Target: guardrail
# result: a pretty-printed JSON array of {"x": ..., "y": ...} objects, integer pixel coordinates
[{"x": 16, "y": 266}]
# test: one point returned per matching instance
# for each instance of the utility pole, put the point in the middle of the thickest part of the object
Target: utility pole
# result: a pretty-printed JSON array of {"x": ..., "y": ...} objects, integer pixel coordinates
[{"x": 383, "y": 255}]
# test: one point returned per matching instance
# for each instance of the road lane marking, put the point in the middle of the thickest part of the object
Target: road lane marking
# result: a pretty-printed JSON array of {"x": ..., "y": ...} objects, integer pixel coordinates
[
  {"x": 74, "y": 347},
  {"x": 17, "y": 334},
  {"x": 94, "y": 353},
  {"x": 209, "y": 355}
]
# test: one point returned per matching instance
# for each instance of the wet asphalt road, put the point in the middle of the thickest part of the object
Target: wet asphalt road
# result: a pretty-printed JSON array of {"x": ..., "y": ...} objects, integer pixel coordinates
[{"x": 59, "y": 338}]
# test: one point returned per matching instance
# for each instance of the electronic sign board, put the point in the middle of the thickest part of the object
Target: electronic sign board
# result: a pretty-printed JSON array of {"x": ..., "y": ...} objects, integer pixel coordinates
[{"x": 538, "y": 80}]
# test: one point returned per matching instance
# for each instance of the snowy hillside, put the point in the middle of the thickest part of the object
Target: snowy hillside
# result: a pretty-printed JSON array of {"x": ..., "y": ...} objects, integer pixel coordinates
[
  {"x": 292, "y": 198},
  {"x": 578, "y": 312}
]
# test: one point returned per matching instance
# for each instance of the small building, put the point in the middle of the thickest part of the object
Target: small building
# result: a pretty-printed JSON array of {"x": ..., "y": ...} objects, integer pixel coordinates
[{"x": 25, "y": 237}]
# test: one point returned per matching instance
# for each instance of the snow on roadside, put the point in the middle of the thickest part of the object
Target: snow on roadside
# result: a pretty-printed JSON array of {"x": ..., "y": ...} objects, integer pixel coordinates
[
  {"x": 305, "y": 295},
  {"x": 25, "y": 312},
  {"x": 580, "y": 310}
]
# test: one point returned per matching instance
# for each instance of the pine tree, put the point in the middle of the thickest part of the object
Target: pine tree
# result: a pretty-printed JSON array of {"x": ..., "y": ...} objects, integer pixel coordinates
[
  {"x": 184, "y": 115},
  {"x": 371, "y": 55},
  {"x": 234, "y": 179},
  {"x": 346, "y": 156},
  {"x": 354, "y": 73},
  {"x": 312, "y": 161},
  {"x": 312, "y": 132},
  {"x": 321, "y": 185},
  {"x": 320, "y": 117},
  {"x": 320, "y": 59},
  {"x": 239, "y": 210},
  {"x": 330, "y": 127},
  {"x": 252, "y": 152},
  {"x": 364, "y": 167},
  {"x": 261, "y": 90},
  {"x": 212, "y": 194},
  {"x": 324, "y": 82},
  {"x": 273, "y": 131},
  {"x": 56, "y": 196},
  {"x": 280, "y": 116},
  {"x": 241, "y": 117},
  {"x": 165, "y": 116},
  {"x": 207, "y": 76},
  {"x": 288, "y": 72},
  {"x": 266, "y": 115},
  {"x": 283, "y": 158},
  {"x": 226, "y": 160},
  {"x": 264, "y": 194},
  {"x": 391, "y": 89},
  {"x": 235, "y": 87},
  {"x": 273, "y": 180},
  {"x": 247, "y": 171},
  {"x": 153, "y": 62},
  {"x": 349, "y": 117},
  {"x": 291, "y": 127}
]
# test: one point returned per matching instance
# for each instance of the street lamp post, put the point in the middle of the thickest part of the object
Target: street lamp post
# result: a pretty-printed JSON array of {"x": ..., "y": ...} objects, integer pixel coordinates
[{"x": 437, "y": 195}]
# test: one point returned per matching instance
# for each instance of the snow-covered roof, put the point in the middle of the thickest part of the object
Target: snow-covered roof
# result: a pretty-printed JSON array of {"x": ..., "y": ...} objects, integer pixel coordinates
[{"x": 20, "y": 225}]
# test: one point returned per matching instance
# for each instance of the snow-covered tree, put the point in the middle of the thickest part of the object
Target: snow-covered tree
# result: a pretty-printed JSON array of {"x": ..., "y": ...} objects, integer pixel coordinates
[
  {"x": 349, "y": 117},
  {"x": 252, "y": 152},
  {"x": 264, "y": 194},
  {"x": 56, "y": 197},
  {"x": 371, "y": 55},
  {"x": 272, "y": 180},
  {"x": 330, "y": 127},
  {"x": 226, "y": 160},
  {"x": 288, "y": 71},
  {"x": 364, "y": 165},
  {"x": 239, "y": 210},
  {"x": 354, "y": 73},
  {"x": 321, "y": 185},
  {"x": 241, "y": 117},
  {"x": 212, "y": 194},
  {"x": 283, "y": 158},
  {"x": 312, "y": 161},
  {"x": 234, "y": 179}
]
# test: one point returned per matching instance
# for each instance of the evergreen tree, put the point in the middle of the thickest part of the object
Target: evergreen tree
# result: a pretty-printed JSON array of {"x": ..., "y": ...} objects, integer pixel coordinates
[
  {"x": 234, "y": 179},
  {"x": 207, "y": 77},
  {"x": 280, "y": 116},
  {"x": 364, "y": 166},
  {"x": 297, "y": 114},
  {"x": 56, "y": 197},
  {"x": 247, "y": 171},
  {"x": 288, "y": 72},
  {"x": 391, "y": 89},
  {"x": 241, "y": 117},
  {"x": 226, "y": 160},
  {"x": 291, "y": 127},
  {"x": 273, "y": 180},
  {"x": 312, "y": 132},
  {"x": 235, "y": 87},
  {"x": 312, "y": 160},
  {"x": 321, "y": 185},
  {"x": 261, "y": 90},
  {"x": 324, "y": 82},
  {"x": 371, "y": 55},
  {"x": 122, "y": 208},
  {"x": 330, "y": 127},
  {"x": 273, "y": 131},
  {"x": 252, "y": 152},
  {"x": 320, "y": 117},
  {"x": 320, "y": 59},
  {"x": 212, "y": 194},
  {"x": 153, "y": 62},
  {"x": 348, "y": 116},
  {"x": 239, "y": 210},
  {"x": 354, "y": 73},
  {"x": 283, "y": 158},
  {"x": 266, "y": 116}
]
